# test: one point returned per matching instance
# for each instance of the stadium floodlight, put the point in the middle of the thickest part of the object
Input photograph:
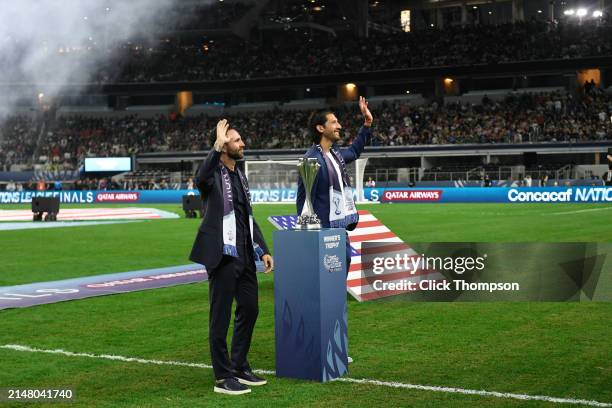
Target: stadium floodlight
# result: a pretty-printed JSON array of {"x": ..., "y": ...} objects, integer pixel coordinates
[
  {"x": 350, "y": 86},
  {"x": 569, "y": 12},
  {"x": 597, "y": 13},
  {"x": 581, "y": 12}
]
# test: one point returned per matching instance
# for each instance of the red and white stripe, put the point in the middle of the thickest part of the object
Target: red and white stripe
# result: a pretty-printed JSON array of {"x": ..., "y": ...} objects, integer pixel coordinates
[
  {"x": 82, "y": 214},
  {"x": 370, "y": 229}
]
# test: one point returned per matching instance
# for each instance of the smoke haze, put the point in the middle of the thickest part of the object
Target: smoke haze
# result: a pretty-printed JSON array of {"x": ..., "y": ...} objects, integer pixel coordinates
[{"x": 49, "y": 43}]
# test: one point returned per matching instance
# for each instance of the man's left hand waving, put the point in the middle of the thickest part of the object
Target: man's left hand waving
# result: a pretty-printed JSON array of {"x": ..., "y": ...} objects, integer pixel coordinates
[{"x": 365, "y": 111}]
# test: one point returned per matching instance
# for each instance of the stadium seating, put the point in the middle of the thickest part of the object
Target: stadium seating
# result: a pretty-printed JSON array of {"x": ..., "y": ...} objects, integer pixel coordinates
[
  {"x": 231, "y": 58},
  {"x": 546, "y": 117}
]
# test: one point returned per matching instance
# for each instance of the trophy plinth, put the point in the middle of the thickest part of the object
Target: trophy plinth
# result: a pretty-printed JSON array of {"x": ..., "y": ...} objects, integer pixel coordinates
[{"x": 308, "y": 169}]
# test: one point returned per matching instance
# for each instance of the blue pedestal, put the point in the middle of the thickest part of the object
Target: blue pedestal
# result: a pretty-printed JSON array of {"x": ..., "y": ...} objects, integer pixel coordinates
[{"x": 310, "y": 304}]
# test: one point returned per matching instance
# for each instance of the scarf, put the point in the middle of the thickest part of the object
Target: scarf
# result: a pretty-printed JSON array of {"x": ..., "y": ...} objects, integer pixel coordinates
[
  {"x": 229, "y": 216},
  {"x": 342, "y": 210}
]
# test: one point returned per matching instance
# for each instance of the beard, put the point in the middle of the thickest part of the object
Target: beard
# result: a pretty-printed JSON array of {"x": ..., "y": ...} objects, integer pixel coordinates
[
  {"x": 236, "y": 154},
  {"x": 333, "y": 137}
]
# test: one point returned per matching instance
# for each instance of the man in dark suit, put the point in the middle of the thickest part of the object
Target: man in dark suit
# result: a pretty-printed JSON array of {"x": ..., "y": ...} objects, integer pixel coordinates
[
  {"x": 228, "y": 243},
  {"x": 332, "y": 196}
]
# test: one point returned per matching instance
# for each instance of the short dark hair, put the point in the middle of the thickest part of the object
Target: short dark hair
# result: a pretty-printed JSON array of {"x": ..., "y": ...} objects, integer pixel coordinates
[{"x": 318, "y": 117}]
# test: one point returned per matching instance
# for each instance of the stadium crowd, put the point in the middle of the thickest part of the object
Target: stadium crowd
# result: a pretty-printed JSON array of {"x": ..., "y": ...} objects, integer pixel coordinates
[
  {"x": 298, "y": 53},
  {"x": 551, "y": 117},
  {"x": 18, "y": 138}
]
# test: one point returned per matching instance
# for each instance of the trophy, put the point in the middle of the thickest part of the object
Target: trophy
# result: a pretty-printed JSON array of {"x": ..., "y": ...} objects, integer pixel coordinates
[{"x": 308, "y": 169}]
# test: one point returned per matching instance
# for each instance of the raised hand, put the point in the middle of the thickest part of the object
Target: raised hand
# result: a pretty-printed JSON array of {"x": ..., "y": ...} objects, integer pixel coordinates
[
  {"x": 222, "y": 137},
  {"x": 367, "y": 115}
]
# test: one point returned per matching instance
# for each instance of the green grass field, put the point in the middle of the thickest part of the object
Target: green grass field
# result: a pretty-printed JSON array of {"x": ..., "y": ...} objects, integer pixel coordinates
[{"x": 560, "y": 350}]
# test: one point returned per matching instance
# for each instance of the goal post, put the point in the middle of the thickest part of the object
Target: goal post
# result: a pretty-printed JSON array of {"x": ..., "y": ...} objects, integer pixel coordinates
[
  {"x": 272, "y": 174},
  {"x": 283, "y": 175}
]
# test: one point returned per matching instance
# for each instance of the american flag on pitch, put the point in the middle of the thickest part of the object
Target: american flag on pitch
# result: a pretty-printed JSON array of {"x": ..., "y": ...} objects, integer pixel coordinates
[{"x": 370, "y": 229}]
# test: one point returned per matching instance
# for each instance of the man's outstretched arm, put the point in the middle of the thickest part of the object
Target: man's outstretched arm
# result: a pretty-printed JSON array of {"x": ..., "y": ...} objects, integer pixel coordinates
[{"x": 352, "y": 152}]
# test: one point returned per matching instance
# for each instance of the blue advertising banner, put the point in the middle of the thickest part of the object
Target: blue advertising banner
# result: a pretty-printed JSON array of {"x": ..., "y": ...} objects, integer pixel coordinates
[
  {"x": 25, "y": 197},
  {"x": 574, "y": 194},
  {"x": 137, "y": 196},
  {"x": 491, "y": 195}
]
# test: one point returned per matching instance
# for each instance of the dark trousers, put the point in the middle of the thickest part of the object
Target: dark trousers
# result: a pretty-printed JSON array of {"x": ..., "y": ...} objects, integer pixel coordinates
[{"x": 232, "y": 278}]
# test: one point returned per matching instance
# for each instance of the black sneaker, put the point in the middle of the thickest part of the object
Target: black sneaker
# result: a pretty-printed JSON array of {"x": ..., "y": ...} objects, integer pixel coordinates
[
  {"x": 231, "y": 386},
  {"x": 249, "y": 378}
]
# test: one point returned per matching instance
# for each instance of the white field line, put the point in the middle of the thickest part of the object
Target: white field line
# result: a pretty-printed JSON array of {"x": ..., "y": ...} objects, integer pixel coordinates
[
  {"x": 452, "y": 390},
  {"x": 580, "y": 211}
]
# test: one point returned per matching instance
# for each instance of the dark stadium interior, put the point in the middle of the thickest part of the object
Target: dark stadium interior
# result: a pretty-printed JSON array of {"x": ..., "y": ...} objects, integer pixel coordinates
[
  {"x": 399, "y": 203},
  {"x": 507, "y": 74}
]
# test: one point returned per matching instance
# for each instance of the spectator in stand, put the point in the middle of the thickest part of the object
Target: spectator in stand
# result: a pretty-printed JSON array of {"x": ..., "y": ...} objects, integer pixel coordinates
[
  {"x": 18, "y": 137},
  {"x": 486, "y": 181},
  {"x": 103, "y": 184},
  {"x": 608, "y": 175}
]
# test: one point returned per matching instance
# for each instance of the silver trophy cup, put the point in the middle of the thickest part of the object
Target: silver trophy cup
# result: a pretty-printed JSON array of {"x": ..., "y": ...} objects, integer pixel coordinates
[{"x": 308, "y": 169}]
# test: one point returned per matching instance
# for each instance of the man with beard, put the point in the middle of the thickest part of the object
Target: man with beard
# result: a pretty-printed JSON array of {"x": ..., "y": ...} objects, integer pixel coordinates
[
  {"x": 332, "y": 194},
  {"x": 228, "y": 243}
]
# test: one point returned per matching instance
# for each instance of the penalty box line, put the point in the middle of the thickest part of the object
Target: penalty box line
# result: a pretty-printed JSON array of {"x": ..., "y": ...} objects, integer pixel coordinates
[{"x": 366, "y": 381}]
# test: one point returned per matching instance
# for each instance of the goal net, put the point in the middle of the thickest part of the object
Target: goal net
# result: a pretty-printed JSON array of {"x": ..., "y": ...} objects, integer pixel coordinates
[{"x": 281, "y": 177}]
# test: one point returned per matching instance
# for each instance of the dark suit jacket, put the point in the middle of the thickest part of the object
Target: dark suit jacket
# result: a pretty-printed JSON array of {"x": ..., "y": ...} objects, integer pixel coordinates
[
  {"x": 320, "y": 188},
  {"x": 208, "y": 246}
]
